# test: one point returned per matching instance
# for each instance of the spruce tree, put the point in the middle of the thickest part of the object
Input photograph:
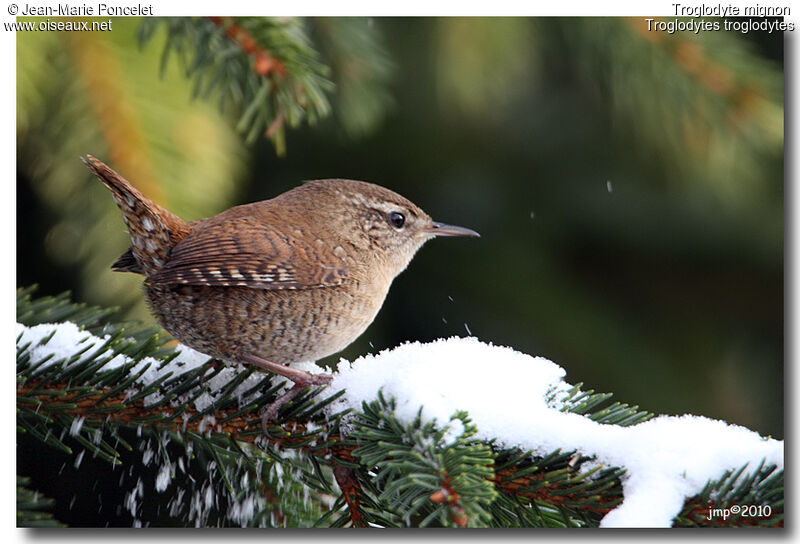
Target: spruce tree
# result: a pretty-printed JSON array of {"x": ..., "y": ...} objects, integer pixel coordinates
[{"x": 187, "y": 449}]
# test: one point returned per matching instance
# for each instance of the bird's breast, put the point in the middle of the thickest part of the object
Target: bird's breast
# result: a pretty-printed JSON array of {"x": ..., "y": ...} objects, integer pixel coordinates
[{"x": 280, "y": 325}]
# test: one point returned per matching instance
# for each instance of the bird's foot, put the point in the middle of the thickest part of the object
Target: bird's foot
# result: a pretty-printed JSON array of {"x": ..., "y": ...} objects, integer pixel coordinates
[
  {"x": 301, "y": 379},
  {"x": 270, "y": 412}
]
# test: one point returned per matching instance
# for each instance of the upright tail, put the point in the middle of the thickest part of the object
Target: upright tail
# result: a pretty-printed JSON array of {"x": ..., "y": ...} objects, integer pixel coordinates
[{"x": 153, "y": 230}]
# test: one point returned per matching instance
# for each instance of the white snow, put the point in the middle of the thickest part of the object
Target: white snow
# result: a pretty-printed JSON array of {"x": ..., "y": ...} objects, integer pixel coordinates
[
  {"x": 66, "y": 336},
  {"x": 77, "y": 424},
  {"x": 164, "y": 477},
  {"x": 505, "y": 392},
  {"x": 63, "y": 342},
  {"x": 668, "y": 458},
  {"x": 242, "y": 511}
]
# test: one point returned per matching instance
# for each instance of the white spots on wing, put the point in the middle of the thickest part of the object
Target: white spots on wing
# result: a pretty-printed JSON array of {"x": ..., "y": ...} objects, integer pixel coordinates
[
  {"x": 147, "y": 224},
  {"x": 283, "y": 274},
  {"x": 339, "y": 251},
  {"x": 235, "y": 274},
  {"x": 215, "y": 272},
  {"x": 130, "y": 201},
  {"x": 151, "y": 245}
]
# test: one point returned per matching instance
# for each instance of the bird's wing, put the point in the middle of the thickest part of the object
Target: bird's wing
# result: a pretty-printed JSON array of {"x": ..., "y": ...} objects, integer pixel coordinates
[{"x": 247, "y": 253}]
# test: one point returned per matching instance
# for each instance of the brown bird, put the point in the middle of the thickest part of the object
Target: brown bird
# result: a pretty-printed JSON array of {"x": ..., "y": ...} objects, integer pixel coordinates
[{"x": 294, "y": 278}]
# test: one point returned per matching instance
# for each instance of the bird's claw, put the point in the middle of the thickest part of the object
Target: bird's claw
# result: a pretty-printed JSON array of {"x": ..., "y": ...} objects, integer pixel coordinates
[{"x": 270, "y": 412}]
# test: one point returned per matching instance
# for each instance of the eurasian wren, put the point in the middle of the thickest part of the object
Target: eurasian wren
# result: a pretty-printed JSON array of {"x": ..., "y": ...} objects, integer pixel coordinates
[{"x": 294, "y": 278}]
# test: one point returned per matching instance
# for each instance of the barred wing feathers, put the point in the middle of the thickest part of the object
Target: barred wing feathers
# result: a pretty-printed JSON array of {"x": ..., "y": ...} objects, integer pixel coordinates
[{"x": 247, "y": 253}]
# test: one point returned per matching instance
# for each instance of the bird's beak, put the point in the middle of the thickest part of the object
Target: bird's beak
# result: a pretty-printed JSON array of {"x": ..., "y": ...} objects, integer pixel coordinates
[{"x": 441, "y": 229}]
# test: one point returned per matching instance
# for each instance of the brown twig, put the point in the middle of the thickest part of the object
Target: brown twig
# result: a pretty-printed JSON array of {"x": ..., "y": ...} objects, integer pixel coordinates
[
  {"x": 446, "y": 494},
  {"x": 264, "y": 63},
  {"x": 348, "y": 483},
  {"x": 530, "y": 487}
]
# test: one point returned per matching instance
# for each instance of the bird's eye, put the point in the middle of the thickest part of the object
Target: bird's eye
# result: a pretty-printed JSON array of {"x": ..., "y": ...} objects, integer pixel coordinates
[{"x": 397, "y": 219}]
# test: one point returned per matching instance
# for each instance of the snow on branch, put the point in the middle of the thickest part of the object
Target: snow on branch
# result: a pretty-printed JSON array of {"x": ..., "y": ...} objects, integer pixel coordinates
[{"x": 514, "y": 400}]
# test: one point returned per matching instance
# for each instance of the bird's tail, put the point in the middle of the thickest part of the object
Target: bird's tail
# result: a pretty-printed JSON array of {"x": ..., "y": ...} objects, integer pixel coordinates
[{"x": 153, "y": 230}]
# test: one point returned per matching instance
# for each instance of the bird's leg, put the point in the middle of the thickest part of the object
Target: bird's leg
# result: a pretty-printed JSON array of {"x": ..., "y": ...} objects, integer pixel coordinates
[
  {"x": 301, "y": 379},
  {"x": 297, "y": 376}
]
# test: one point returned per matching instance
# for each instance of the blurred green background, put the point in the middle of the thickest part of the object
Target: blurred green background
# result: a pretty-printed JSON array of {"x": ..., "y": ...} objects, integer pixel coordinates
[{"x": 628, "y": 186}]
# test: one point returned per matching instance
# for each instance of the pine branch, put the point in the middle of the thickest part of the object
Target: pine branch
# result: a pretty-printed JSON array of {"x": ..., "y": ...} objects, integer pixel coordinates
[
  {"x": 264, "y": 68},
  {"x": 682, "y": 95},
  {"x": 389, "y": 473},
  {"x": 32, "y": 506},
  {"x": 417, "y": 474}
]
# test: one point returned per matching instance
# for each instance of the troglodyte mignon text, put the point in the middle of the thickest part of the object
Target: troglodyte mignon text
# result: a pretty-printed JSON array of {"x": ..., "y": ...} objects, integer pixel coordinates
[{"x": 294, "y": 278}]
